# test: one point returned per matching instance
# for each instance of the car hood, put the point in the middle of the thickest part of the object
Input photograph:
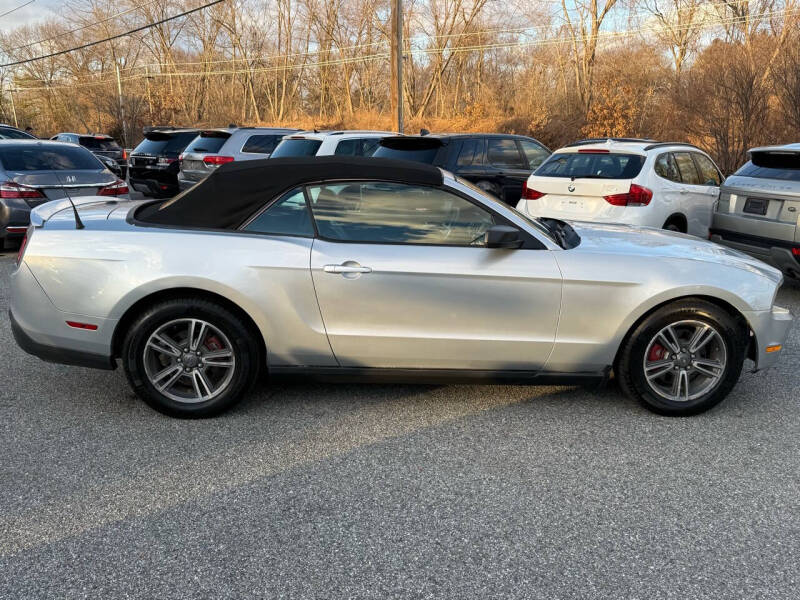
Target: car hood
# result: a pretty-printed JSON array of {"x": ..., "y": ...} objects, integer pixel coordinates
[{"x": 659, "y": 243}]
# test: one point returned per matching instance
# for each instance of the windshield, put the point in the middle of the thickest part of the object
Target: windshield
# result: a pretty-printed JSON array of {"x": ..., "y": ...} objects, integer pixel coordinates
[
  {"x": 772, "y": 165},
  {"x": 55, "y": 157},
  {"x": 593, "y": 165},
  {"x": 101, "y": 144},
  {"x": 208, "y": 142},
  {"x": 489, "y": 199},
  {"x": 165, "y": 144},
  {"x": 424, "y": 155},
  {"x": 296, "y": 147}
]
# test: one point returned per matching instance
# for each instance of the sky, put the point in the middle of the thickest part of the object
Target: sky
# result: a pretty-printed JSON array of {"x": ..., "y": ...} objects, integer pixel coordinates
[{"x": 40, "y": 9}]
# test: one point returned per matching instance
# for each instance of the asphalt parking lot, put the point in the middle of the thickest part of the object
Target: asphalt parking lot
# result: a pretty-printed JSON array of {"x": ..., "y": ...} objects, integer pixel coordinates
[{"x": 387, "y": 491}]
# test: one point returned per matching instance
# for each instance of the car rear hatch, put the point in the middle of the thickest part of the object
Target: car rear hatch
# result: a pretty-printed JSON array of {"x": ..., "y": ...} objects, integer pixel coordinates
[
  {"x": 159, "y": 150},
  {"x": 201, "y": 157},
  {"x": 762, "y": 199},
  {"x": 583, "y": 185},
  {"x": 54, "y": 185}
]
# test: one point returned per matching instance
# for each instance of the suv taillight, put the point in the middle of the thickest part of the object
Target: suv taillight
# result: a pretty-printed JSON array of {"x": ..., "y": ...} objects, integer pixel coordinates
[
  {"x": 9, "y": 189},
  {"x": 636, "y": 196},
  {"x": 530, "y": 193},
  {"x": 214, "y": 160},
  {"x": 118, "y": 188}
]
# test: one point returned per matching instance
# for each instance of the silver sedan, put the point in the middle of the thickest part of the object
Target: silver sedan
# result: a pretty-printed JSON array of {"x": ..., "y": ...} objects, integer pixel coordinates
[{"x": 375, "y": 269}]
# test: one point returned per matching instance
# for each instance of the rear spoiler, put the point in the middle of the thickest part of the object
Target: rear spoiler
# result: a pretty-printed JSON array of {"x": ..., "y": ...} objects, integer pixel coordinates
[{"x": 43, "y": 212}]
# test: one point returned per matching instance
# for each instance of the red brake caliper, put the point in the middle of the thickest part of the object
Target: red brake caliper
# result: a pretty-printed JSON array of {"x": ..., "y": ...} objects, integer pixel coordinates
[
  {"x": 213, "y": 343},
  {"x": 657, "y": 352}
]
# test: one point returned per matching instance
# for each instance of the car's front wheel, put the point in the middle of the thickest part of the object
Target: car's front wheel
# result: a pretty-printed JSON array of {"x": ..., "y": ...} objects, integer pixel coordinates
[
  {"x": 190, "y": 357},
  {"x": 684, "y": 358}
]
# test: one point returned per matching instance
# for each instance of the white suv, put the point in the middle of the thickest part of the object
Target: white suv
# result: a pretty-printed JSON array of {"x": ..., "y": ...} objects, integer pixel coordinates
[
  {"x": 631, "y": 181},
  {"x": 326, "y": 143}
]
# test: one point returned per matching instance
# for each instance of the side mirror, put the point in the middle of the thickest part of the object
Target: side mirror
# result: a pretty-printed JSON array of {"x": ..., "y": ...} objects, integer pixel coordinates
[{"x": 502, "y": 236}]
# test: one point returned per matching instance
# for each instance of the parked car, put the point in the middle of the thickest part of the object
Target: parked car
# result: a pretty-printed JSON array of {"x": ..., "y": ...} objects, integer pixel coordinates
[
  {"x": 33, "y": 172},
  {"x": 7, "y": 132},
  {"x": 668, "y": 185},
  {"x": 215, "y": 147},
  {"x": 153, "y": 165},
  {"x": 759, "y": 208},
  {"x": 103, "y": 146},
  {"x": 328, "y": 143},
  {"x": 416, "y": 274},
  {"x": 497, "y": 163}
]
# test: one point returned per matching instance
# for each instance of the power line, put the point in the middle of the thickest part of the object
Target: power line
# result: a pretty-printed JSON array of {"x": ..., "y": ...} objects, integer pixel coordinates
[
  {"x": 77, "y": 29},
  {"x": 8, "y": 12},
  {"x": 113, "y": 37}
]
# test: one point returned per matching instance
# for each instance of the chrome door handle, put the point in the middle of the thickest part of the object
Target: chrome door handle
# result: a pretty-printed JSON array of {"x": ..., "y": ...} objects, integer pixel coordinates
[{"x": 346, "y": 269}]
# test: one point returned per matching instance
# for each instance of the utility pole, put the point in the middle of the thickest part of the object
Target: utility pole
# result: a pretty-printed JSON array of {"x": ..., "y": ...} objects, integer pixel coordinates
[
  {"x": 13, "y": 108},
  {"x": 396, "y": 57},
  {"x": 121, "y": 108}
]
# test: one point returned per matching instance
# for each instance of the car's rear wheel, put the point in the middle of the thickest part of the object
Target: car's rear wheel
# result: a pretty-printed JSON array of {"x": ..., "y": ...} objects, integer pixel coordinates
[
  {"x": 190, "y": 358},
  {"x": 684, "y": 358}
]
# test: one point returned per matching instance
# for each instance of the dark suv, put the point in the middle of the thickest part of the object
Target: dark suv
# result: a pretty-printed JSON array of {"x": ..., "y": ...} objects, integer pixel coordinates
[
  {"x": 153, "y": 165},
  {"x": 102, "y": 146},
  {"x": 496, "y": 162}
]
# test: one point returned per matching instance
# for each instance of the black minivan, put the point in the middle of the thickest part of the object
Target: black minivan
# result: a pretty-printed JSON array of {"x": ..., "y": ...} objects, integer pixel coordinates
[
  {"x": 498, "y": 163},
  {"x": 153, "y": 165}
]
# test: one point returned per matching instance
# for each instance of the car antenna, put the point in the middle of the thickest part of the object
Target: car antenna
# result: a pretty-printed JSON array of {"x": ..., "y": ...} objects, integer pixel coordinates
[{"x": 78, "y": 222}]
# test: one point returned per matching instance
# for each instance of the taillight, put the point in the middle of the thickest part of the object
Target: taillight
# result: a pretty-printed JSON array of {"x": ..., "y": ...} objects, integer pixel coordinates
[
  {"x": 796, "y": 251},
  {"x": 124, "y": 154},
  {"x": 118, "y": 188},
  {"x": 530, "y": 193},
  {"x": 22, "y": 246},
  {"x": 593, "y": 151},
  {"x": 9, "y": 189},
  {"x": 214, "y": 160},
  {"x": 636, "y": 196}
]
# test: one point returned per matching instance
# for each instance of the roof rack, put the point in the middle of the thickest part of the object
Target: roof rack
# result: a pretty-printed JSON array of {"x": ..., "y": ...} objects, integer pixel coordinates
[
  {"x": 662, "y": 144},
  {"x": 611, "y": 139}
]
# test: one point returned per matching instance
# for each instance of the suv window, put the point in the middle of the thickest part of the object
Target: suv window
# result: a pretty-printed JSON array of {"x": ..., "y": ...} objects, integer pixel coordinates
[
  {"x": 396, "y": 213},
  {"x": 262, "y": 144},
  {"x": 423, "y": 155},
  {"x": 207, "y": 143},
  {"x": 709, "y": 175},
  {"x": 165, "y": 144},
  {"x": 768, "y": 165},
  {"x": 287, "y": 216},
  {"x": 597, "y": 165},
  {"x": 665, "y": 167},
  {"x": 296, "y": 147},
  {"x": 504, "y": 153},
  {"x": 687, "y": 168},
  {"x": 471, "y": 153},
  {"x": 100, "y": 144},
  {"x": 356, "y": 147},
  {"x": 535, "y": 153},
  {"x": 48, "y": 158}
]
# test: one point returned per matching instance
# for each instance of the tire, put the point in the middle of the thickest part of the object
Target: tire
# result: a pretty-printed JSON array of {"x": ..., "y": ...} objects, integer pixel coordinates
[
  {"x": 221, "y": 366},
  {"x": 646, "y": 348},
  {"x": 673, "y": 225}
]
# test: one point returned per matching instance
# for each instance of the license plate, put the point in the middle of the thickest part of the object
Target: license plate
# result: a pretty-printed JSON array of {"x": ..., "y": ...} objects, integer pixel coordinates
[
  {"x": 756, "y": 206},
  {"x": 572, "y": 205}
]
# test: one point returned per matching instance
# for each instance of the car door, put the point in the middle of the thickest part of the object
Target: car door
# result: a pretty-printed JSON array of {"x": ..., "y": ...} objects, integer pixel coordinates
[
  {"x": 711, "y": 179},
  {"x": 511, "y": 167},
  {"x": 693, "y": 196},
  {"x": 403, "y": 281}
]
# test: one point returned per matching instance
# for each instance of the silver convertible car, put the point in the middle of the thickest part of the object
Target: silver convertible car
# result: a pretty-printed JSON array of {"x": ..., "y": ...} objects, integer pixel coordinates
[{"x": 381, "y": 269}]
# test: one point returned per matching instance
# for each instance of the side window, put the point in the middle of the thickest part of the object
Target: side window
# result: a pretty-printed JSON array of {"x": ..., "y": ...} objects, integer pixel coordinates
[
  {"x": 687, "y": 169},
  {"x": 349, "y": 147},
  {"x": 504, "y": 153},
  {"x": 261, "y": 144},
  {"x": 287, "y": 216},
  {"x": 369, "y": 145},
  {"x": 535, "y": 154},
  {"x": 470, "y": 154},
  {"x": 665, "y": 167},
  {"x": 708, "y": 172},
  {"x": 395, "y": 213}
]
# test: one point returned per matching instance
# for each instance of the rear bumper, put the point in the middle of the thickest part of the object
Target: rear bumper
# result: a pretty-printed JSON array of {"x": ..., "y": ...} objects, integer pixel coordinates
[
  {"x": 770, "y": 328},
  {"x": 185, "y": 184},
  {"x": 777, "y": 253},
  {"x": 154, "y": 187},
  {"x": 14, "y": 219}
]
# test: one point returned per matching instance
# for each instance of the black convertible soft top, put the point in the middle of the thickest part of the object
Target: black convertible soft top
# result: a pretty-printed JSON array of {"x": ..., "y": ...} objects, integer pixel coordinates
[{"x": 232, "y": 193}]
